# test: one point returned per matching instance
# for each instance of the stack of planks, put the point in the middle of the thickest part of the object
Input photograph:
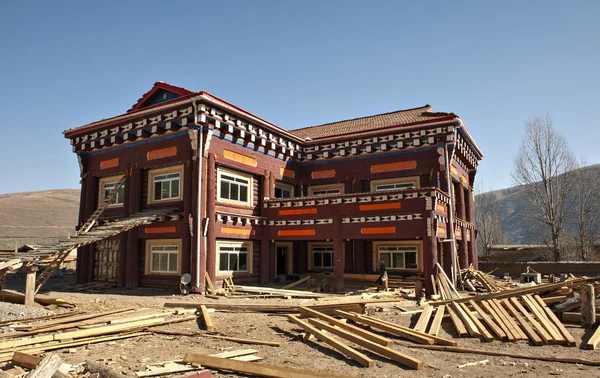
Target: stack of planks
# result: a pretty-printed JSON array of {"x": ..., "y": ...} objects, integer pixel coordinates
[
  {"x": 324, "y": 327},
  {"x": 443, "y": 285},
  {"x": 43, "y": 334},
  {"x": 513, "y": 315}
]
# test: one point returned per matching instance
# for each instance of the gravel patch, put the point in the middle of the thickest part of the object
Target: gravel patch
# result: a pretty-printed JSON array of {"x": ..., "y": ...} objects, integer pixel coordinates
[{"x": 11, "y": 311}]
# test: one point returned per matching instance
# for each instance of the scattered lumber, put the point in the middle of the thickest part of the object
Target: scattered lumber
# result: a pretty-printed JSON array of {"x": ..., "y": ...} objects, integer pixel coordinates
[
  {"x": 269, "y": 308},
  {"x": 38, "y": 318},
  {"x": 16, "y": 297},
  {"x": 167, "y": 367},
  {"x": 30, "y": 361},
  {"x": 71, "y": 320},
  {"x": 228, "y": 338},
  {"x": 294, "y": 284},
  {"x": 209, "y": 286},
  {"x": 423, "y": 321},
  {"x": 47, "y": 367},
  {"x": 291, "y": 293},
  {"x": 563, "y": 359},
  {"x": 593, "y": 342},
  {"x": 401, "y": 358},
  {"x": 261, "y": 370},
  {"x": 207, "y": 320},
  {"x": 436, "y": 323},
  {"x": 103, "y": 371},
  {"x": 339, "y": 346},
  {"x": 476, "y": 280}
]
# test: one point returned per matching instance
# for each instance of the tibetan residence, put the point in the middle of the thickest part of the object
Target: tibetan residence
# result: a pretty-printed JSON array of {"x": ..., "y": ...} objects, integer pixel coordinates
[{"x": 234, "y": 195}]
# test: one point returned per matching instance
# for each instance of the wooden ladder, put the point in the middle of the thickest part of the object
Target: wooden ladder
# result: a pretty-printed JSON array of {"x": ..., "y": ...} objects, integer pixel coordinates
[
  {"x": 94, "y": 217},
  {"x": 62, "y": 255}
]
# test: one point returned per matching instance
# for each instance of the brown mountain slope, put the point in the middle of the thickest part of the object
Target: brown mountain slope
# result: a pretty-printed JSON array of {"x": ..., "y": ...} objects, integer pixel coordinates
[{"x": 47, "y": 213}]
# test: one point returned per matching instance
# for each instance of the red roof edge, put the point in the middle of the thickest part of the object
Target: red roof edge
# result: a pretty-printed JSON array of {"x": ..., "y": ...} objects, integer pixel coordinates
[{"x": 156, "y": 87}]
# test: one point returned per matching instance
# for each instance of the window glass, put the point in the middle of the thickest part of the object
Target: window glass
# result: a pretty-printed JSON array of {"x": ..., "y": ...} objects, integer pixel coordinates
[
  {"x": 233, "y": 258},
  {"x": 167, "y": 186},
  {"x": 322, "y": 256},
  {"x": 398, "y": 256},
  {"x": 234, "y": 188},
  {"x": 164, "y": 258}
]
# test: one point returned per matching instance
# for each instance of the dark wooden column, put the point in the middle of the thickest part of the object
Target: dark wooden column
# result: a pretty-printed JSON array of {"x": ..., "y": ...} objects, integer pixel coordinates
[
  {"x": 302, "y": 257},
  {"x": 264, "y": 242},
  {"x": 349, "y": 257},
  {"x": 132, "y": 257},
  {"x": 86, "y": 254},
  {"x": 430, "y": 254},
  {"x": 211, "y": 193},
  {"x": 122, "y": 263},
  {"x": 359, "y": 256},
  {"x": 473, "y": 259},
  {"x": 272, "y": 262},
  {"x": 338, "y": 253},
  {"x": 463, "y": 256},
  {"x": 186, "y": 242}
]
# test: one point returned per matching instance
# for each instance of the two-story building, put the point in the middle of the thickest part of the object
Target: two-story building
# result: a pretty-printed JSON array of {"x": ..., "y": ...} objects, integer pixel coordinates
[{"x": 252, "y": 200}]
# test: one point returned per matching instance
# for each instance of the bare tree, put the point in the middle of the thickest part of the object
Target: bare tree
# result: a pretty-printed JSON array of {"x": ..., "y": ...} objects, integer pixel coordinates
[
  {"x": 488, "y": 222},
  {"x": 586, "y": 208},
  {"x": 543, "y": 168}
]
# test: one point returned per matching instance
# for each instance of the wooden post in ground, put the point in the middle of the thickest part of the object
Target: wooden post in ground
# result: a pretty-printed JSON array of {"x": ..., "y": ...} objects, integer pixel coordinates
[
  {"x": 30, "y": 286},
  {"x": 588, "y": 306},
  {"x": 211, "y": 193},
  {"x": 338, "y": 254}
]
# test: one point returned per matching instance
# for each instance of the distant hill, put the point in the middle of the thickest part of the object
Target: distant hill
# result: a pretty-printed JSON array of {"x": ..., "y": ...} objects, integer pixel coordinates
[
  {"x": 513, "y": 207},
  {"x": 48, "y": 213}
]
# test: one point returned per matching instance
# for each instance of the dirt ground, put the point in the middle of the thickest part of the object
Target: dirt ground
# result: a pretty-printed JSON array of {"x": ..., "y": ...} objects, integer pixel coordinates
[{"x": 130, "y": 355}]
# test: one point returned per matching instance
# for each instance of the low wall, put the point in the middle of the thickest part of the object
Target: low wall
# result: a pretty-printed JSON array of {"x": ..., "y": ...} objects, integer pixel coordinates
[{"x": 589, "y": 268}]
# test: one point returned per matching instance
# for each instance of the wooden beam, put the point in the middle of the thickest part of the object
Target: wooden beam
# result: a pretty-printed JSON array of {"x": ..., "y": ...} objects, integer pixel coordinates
[
  {"x": 543, "y": 320},
  {"x": 544, "y": 335},
  {"x": 294, "y": 284},
  {"x": 485, "y": 334},
  {"x": 434, "y": 329},
  {"x": 349, "y": 327},
  {"x": 207, "y": 320},
  {"x": 588, "y": 306},
  {"x": 261, "y": 370},
  {"x": 209, "y": 286},
  {"x": 47, "y": 367},
  {"x": 423, "y": 321},
  {"x": 563, "y": 330},
  {"x": 575, "y": 317},
  {"x": 30, "y": 286},
  {"x": 534, "y": 338},
  {"x": 469, "y": 325},
  {"x": 403, "y": 359},
  {"x": 593, "y": 342},
  {"x": 489, "y": 321},
  {"x": 339, "y": 346},
  {"x": 458, "y": 324}
]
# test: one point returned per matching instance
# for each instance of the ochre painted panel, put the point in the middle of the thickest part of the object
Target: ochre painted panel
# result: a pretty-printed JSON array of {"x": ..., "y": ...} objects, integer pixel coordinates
[
  {"x": 391, "y": 167},
  {"x": 231, "y": 155},
  {"x": 296, "y": 232},
  {"x": 237, "y": 231},
  {"x": 380, "y": 206},
  {"x": 312, "y": 210},
  {"x": 111, "y": 163},
  {"x": 323, "y": 174},
  {"x": 377, "y": 230},
  {"x": 161, "y": 153},
  {"x": 287, "y": 172},
  {"x": 160, "y": 230}
]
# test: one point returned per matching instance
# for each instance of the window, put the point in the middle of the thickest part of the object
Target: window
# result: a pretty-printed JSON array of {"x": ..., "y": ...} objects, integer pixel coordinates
[
  {"x": 163, "y": 256},
  {"x": 235, "y": 256},
  {"x": 398, "y": 256},
  {"x": 283, "y": 190},
  {"x": 234, "y": 187},
  {"x": 324, "y": 190},
  {"x": 395, "y": 184},
  {"x": 322, "y": 256},
  {"x": 107, "y": 185},
  {"x": 165, "y": 184}
]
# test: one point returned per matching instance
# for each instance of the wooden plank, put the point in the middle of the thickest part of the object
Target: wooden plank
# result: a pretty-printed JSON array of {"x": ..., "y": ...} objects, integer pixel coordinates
[
  {"x": 292, "y": 293},
  {"x": 508, "y": 321},
  {"x": 487, "y": 306},
  {"x": 209, "y": 286},
  {"x": 339, "y": 346},
  {"x": 25, "y": 360},
  {"x": 423, "y": 321},
  {"x": 167, "y": 367},
  {"x": 282, "y": 309},
  {"x": 401, "y": 358},
  {"x": 555, "y": 299},
  {"x": 458, "y": 324},
  {"x": 588, "y": 306},
  {"x": 563, "y": 330},
  {"x": 544, "y": 335},
  {"x": 593, "y": 342},
  {"x": 542, "y": 319},
  {"x": 47, "y": 367},
  {"x": 107, "y": 329},
  {"x": 71, "y": 320},
  {"x": 396, "y": 331},
  {"x": 434, "y": 329},
  {"x": 294, "y": 284},
  {"x": 485, "y": 334},
  {"x": 349, "y": 327},
  {"x": 469, "y": 325},
  {"x": 574, "y": 317},
  {"x": 207, "y": 320},
  {"x": 235, "y": 353},
  {"x": 534, "y": 338},
  {"x": 448, "y": 281},
  {"x": 261, "y": 370},
  {"x": 489, "y": 321},
  {"x": 30, "y": 286}
]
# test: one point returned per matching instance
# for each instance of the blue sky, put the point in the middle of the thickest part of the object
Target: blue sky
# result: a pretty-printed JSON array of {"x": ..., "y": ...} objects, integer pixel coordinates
[{"x": 496, "y": 64}]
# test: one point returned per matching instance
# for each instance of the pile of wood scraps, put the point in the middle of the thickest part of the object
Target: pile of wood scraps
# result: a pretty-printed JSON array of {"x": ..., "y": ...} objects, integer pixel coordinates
[
  {"x": 59, "y": 332},
  {"x": 474, "y": 280},
  {"x": 49, "y": 366},
  {"x": 92, "y": 286}
]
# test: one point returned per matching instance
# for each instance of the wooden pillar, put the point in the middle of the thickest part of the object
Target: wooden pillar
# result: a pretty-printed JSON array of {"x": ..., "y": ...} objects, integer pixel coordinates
[
  {"x": 463, "y": 256},
  {"x": 122, "y": 260},
  {"x": 264, "y": 243},
  {"x": 359, "y": 256},
  {"x": 186, "y": 242},
  {"x": 271, "y": 188},
  {"x": 132, "y": 256},
  {"x": 338, "y": 254},
  {"x": 588, "y": 306},
  {"x": 302, "y": 256},
  {"x": 473, "y": 258},
  {"x": 430, "y": 256},
  {"x": 349, "y": 257},
  {"x": 272, "y": 262},
  {"x": 211, "y": 197},
  {"x": 30, "y": 286},
  {"x": 85, "y": 255}
]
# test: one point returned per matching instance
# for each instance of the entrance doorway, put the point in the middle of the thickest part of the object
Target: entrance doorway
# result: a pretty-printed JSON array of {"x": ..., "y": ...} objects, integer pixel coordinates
[
  {"x": 106, "y": 260},
  {"x": 283, "y": 258}
]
